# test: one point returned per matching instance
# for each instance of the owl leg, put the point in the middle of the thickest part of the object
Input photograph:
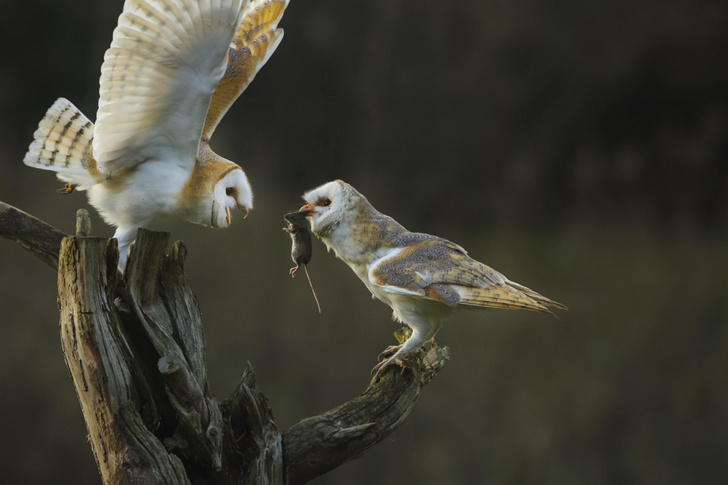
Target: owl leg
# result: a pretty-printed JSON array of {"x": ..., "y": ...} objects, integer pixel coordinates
[
  {"x": 124, "y": 235},
  {"x": 423, "y": 329}
]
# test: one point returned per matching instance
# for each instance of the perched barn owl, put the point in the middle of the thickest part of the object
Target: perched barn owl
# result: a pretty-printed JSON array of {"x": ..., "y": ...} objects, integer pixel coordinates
[
  {"x": 421, "y": 277},
  {"x": 173, "y": 69}
]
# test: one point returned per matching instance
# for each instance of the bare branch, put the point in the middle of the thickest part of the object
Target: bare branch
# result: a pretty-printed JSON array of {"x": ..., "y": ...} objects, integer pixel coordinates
[
  {"x": 41, "y": 239},
  {"x": 135, "y": 348},
  {"x": 253, "y": 434},
  {"x": 320, "y": 443},
  {"x": 99, "y": 357},
  {"x": 183, "y": 368}
]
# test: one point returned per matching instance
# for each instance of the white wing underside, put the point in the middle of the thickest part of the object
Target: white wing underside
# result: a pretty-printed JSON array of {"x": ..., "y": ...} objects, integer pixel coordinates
[{"x": 164, "y": 63}]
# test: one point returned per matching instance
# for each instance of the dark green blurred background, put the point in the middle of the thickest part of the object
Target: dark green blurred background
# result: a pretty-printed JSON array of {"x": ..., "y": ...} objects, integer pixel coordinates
[{"x": 578, "y": 147}]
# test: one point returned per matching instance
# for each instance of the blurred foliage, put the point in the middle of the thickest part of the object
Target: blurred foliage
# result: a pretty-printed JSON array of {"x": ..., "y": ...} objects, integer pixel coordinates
[{"x": 578, "y": 147}]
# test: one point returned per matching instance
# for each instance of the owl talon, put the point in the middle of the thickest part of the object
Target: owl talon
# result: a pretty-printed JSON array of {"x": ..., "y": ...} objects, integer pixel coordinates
[
  {"x": 68, "y": 188},
  {"x": 389, "y": 352},
  {"x": 389, "y": 357},
  {"x": 387, "y": 363}
]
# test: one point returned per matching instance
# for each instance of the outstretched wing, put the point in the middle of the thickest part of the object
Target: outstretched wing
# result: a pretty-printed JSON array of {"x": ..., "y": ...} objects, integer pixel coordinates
[
  {"x": 446, "y": 274},
  {"x": 256, "y": 39},
  {"x": 165, "y": 60}
]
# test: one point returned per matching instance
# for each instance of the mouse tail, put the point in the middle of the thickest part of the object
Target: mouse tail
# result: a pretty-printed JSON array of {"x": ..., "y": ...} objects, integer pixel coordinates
[{"x": 305, "y": 268}]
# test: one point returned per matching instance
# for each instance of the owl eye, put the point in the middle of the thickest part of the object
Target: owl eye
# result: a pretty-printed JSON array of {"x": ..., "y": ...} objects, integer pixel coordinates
[
  {"x": 230, "y": 191},
  {"x": 326, "y": 202}
]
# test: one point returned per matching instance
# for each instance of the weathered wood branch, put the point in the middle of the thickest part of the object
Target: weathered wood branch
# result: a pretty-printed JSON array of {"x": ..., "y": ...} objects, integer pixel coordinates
[
  {"x": 253, "y": 434},
  {"x": 104, "y": 368},
  {"x": 155, "y": 286},
  {"x": 41, "y": 239},
  {"x": 135, "y": 348},
  {"x": 320, "y": 443}
]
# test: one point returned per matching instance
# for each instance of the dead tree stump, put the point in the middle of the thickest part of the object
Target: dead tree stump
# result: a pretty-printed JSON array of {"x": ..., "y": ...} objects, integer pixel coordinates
[{"x": 135, "y": 348}]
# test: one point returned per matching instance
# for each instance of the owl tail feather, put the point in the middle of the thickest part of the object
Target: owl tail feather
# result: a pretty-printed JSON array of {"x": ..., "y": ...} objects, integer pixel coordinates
[
  {"x": 63, "y": 144},
  {"x": 510, "y": 296}
]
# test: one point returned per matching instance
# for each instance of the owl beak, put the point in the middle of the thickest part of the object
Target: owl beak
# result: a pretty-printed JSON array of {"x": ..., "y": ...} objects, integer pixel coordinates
[
  {"x": 307, "y": 209},
  {"x": 244, "y": 210}
]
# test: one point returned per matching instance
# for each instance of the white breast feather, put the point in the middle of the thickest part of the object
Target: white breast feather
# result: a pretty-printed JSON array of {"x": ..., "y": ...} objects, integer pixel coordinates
[{"x": 148, "y": 191}]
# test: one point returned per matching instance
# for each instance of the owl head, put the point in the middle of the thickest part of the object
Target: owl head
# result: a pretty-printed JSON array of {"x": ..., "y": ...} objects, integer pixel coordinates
[
  {"x": 231, "y": 191},
  {"x": 328, "y": 205}
]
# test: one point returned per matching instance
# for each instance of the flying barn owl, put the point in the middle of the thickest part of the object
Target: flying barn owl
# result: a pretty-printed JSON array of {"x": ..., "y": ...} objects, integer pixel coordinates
[
  {"x": 421, "y": 277},
  {"x": 172, "y": 71}
]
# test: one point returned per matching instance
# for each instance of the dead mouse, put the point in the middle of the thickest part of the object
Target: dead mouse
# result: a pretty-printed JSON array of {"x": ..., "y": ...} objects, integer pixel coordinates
[{"x": 302, "y": 246}]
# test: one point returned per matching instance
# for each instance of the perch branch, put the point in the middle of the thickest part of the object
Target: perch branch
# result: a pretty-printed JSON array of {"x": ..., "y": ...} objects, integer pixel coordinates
[
  {"x": 135, "y": 348},
  {"x": 100, "y": 361},
  {"x": 320, "y": 443},
  {"x": 149, "y": 272},
  {"x": 41, "y": 239}
]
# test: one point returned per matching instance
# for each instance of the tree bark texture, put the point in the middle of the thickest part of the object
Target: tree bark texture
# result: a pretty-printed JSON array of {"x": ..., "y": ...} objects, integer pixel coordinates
[{"x": 135, "y": 348}]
